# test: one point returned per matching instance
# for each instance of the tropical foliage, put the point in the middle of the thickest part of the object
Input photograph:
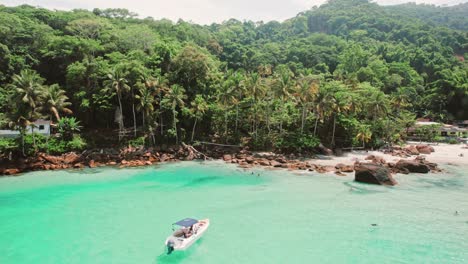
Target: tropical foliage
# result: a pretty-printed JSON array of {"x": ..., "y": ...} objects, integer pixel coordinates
[{"x": 347, "y": 73}]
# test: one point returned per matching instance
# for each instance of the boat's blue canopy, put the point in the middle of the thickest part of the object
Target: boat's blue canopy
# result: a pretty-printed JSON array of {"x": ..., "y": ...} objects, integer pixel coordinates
[{"x": 186, "y": 222}]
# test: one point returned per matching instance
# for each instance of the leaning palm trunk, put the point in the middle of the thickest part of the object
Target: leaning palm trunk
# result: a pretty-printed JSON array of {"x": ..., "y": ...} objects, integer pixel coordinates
[
  {"x": 121, "y": 116},
  {"x": 303, "y": 118},
  {"x": 237, "y": 116},
  {"x": 175, "y": 126},
  {"x": 316, "y": 124},
  {"x": 333, "y": 134},
  {"x": 225, "y": 125},
  {"x": 193, "y": 130},
  {"x": 134, "y": 117}
]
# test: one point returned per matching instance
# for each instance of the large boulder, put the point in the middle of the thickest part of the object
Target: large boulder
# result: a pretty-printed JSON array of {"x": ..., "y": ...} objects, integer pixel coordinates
[
  {"x": 227, "y": 157},
  {"x": 373, "y": 173},
  {"x": 411, "y": 149},
  {"x": 71, "y": 158},
  {"x": 324, "y": 150},
  {"x": 416, "y": 166},
  {"x": 51, "y": 159}
]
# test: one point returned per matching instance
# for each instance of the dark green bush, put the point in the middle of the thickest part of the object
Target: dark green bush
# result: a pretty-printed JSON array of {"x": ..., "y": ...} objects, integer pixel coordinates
[
  {"x": 7, "y": 145},
  {"x": 297, "y": 142}
]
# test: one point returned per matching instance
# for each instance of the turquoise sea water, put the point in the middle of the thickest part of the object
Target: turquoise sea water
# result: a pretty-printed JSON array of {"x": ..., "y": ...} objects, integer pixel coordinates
[{"x": 108, "y": 215}]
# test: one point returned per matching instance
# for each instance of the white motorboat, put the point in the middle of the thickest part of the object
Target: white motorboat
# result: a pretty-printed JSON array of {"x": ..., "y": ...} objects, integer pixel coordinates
[{"x": 186, "y": 232}]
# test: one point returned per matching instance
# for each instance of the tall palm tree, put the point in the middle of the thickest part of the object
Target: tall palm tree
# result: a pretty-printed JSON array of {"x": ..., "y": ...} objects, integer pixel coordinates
[
  {"x": 255, "y": 86},
  {"x": 145, "y": 100},
  {"x": 160, "y": 83},
  {"x": 54, "y": 101},
  {"x": 238, "y": 89},
  {"x": 199, "y": 107},
  {"x": 27, "y": 88},
  {"x": 175, "y": 98},
  {"x": 117, "y": 83},
  {"x": 306, "y": 91},
  {"x": 364, "y": 134},
  {"x": 226, "y": 98},
  {"x": 282, "y": 87}
]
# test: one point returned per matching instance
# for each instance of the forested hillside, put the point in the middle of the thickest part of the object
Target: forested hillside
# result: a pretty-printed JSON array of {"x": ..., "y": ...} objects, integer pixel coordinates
[{"x": 345, "y": 73}]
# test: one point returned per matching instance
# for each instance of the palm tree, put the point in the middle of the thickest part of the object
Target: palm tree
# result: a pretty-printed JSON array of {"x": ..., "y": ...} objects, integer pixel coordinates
[
  {"x": 160, "y": 83},
  {"x": 54, "y": 101},
  {"x": 306, "y": 91},
  {"x": 27, "y": 88},
  {"x": 364, "y": 134},
  {"x": 256, "y": 89},
  {"x": 226, "y": 98},
  {"x": 118, "y": 84},
  {"x": 175, "y": 98},
  {"x": 145, "y": 99},
  {"x": 199, "y": 107},
  {"x": 282, "y": 87},
  {"x": 67, "y": 127},
  {"x": 238, "y": 90}
]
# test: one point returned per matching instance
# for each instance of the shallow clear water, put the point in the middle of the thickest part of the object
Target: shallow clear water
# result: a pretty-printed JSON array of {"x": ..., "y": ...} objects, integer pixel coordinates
[{"x": 123, "y": 216}]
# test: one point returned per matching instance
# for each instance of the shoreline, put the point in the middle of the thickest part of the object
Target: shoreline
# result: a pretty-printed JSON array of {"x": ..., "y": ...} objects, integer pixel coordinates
[{"x": 344, "y": 165}]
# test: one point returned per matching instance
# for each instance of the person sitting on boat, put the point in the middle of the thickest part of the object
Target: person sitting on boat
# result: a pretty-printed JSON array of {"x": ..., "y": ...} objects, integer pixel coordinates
[{"x": 187, "y": 232}]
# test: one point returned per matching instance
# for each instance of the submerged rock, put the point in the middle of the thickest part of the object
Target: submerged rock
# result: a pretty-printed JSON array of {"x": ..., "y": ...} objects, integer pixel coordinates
[{"x": 373, "y": 173}]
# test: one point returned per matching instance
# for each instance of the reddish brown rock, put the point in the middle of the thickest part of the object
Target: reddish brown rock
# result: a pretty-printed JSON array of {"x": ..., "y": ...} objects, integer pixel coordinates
[
  {"x": 376, "y": 159},
  {"x": 227, "y": 157},
  {"x": 275, "y": 164},
  {"x": 71, "y": 158},
  {"x": 347, "y": 168},
  {"x": 78, "y": 166},
  {"x": 148, "y": 162},
  {"x": 416, "y": 166},
  {"x": 264, "y": 162},
  {"x": 411, "y": 149},
  {"x": 11, "y": 171},
  {"x": 52, "y": 159},
  {"x": 424, "y": 149},
  {"x": 92, "y": 164},
  {"x": 373, "y": 173},
  {"x": 340, "y": 173}
]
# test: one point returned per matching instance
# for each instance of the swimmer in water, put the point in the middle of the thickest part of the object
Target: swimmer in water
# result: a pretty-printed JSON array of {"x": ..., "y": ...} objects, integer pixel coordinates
[{"x": 456, "y": 213}]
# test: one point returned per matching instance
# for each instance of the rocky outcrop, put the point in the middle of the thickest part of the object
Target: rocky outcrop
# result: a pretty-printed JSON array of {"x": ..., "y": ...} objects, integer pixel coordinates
[
  {"x": 418, "y": 165},
  {"x": 410, "y": 150},
  {"x": 373, "y": 173}
]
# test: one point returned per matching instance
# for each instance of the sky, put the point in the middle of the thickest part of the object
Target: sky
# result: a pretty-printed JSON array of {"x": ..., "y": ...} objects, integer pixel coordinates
[{"x": 205, "y": 11}]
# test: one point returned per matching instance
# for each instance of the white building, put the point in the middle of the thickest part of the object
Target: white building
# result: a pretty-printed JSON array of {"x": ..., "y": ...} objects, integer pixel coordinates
[{"x": 40, "y": 127}]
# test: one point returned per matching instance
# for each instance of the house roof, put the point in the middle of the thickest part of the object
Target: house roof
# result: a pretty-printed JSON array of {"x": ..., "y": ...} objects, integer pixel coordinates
[
  {"x": 426, "y": 123},
  {"x": 42, "y": 122}
]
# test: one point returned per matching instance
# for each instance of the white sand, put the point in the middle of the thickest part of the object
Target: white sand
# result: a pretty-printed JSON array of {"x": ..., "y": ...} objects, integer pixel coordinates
[{"x": 444, "y": 154}]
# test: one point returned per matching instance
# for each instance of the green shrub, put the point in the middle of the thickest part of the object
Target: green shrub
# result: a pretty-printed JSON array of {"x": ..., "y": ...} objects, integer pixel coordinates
[
  {"x": 7, "y": 145},
  {"x": 452, "y": 141},
  {"x": 76, "y": 144},
  {"x": 137, "y": 142},
  {"x": 56, "y": 146},
  {"x": 297, "y": 142}
]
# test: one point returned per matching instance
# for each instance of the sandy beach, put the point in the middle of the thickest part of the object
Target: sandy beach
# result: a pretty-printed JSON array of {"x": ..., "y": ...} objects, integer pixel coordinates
[{"x": 444, "y": 154}]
